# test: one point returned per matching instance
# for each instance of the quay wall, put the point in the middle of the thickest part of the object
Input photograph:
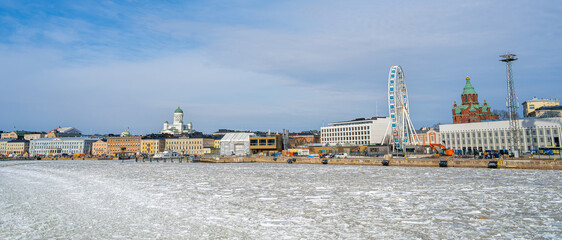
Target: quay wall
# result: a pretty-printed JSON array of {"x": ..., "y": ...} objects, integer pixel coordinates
[
  {"x": 531, "y": 163},
  {"x": 553, "y": 164}
]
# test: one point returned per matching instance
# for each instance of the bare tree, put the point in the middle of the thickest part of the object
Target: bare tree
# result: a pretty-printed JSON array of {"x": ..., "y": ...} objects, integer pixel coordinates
[
  {"x": 436, "y": 126},
  {"x": 503, "y": 114}
]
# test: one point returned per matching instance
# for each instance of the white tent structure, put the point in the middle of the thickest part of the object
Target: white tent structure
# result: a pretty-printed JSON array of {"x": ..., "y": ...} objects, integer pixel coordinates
[{"x": 236, "y": 144}]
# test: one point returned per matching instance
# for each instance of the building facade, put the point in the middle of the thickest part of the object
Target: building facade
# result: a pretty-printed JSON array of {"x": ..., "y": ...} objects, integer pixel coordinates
[
  {"x": 427, "y": 136},
  {"x": 123, "y": 145},
  {"x": 191, "y": 146},
  {"x": 152, "y": 145},
  {"x": 177, "y": 127},
  {"x": 33, "y": 136},
  {"x": 237, "y": 144},
  {"x": 356, "y": 132},
  {"x": 495, "y": 135},
  {"x": 306, "y": 137},
  {"x": 4, "y": 145},
  {"x": 266, "y": 143},
  {"x": 17, "y": 146},
  {"x": 470, "y": 109},
  {"x": 14, "y": 134},
  {"x": 99, "y": 147},
  {"x": 529, "y": 106},
  {"x": 62, "y": 145}
]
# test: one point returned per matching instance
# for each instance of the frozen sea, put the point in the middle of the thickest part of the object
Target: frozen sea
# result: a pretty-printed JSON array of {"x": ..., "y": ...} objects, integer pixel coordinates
[{"x": 114, "y": 200}]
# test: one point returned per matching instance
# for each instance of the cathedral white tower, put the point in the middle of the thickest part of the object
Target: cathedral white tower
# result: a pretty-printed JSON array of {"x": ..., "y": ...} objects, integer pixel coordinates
[
  {"x": 178, "y": 116},
  {"x": 177, "y": 126}
]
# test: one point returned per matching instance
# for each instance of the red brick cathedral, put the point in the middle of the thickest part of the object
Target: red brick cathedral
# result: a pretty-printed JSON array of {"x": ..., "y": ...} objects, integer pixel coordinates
[{"x": 470, "y": 110}]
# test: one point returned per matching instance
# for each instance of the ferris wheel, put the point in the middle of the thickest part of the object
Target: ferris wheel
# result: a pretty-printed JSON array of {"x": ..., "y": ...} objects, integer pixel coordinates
[{"x": 403, "y": 131}]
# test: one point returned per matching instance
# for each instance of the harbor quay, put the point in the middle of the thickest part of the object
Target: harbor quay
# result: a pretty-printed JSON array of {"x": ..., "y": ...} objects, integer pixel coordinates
[
  {"x": 544, "y": 164},
  {"x": 411, "y": 161}
]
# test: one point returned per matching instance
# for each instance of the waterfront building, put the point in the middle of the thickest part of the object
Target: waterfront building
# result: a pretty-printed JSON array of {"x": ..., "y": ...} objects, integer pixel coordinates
[
  {"x": 235, "y": 144},
  {"x": 99, "y": 147},
  {"x": 4, "y": 145},
  {"x": 360, "y": 131},
  {"x": 130, "y": 145},
  {"x": 266, "y": 143},
  {"x": 470, "y": 109},
  {"x": 530, "y": 106},
  {"x": 177, "y": 127},
  {"x": 152, "y": 145},
  {"x": 35, "y": 135},
  {"x": 17, "y": 146},
  {"x": 64, "y": 132},
  {"x": 426, "y": 136},
  {"x": 217, "y": 143},
  {"x": 192, "y": 146},
  {"x": 68, "y": 145},
  {"x": 495, "y": 135},
  {"x": 14, "y": 134}
]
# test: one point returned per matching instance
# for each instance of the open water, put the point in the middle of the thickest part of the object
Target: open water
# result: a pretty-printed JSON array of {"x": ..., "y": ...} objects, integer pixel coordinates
[{"x": 114, "y": 200}]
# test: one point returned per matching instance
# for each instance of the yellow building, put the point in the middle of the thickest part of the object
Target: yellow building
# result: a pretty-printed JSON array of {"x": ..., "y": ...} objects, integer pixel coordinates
[
  {"x": 33, "y": 136},
  {"x": 217, "y": 144},
  {"x": 152, "y": 146},
  {"x": 192, "y": 146},
  {"x": 123, "y": 145},
  {"x": 530, "y": 106},
  {"x": 14, "y": 135},
  {"x": 99, "y": 147},
  {"x": 268, "y": 143},
  {"x": 17, "y": 147},
  {"x": 3, "y": 145}
]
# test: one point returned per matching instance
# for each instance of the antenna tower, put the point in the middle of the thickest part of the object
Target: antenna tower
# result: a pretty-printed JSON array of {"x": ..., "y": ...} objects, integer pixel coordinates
[{"x": 512, "y": 105}]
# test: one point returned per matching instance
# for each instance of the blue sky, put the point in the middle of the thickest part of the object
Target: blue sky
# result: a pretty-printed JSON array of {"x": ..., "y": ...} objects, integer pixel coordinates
[{"x": 103, "y": 66}]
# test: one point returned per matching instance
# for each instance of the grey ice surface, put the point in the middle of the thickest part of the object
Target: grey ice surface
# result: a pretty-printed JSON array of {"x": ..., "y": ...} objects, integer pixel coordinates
[{"x": 114, "y": 200}]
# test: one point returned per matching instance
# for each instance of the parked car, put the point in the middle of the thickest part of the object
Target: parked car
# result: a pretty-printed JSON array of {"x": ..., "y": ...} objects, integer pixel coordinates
[{"x": 341, "y": 155}]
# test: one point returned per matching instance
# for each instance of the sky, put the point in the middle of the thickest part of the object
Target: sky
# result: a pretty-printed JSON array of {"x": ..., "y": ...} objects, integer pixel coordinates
[{"x": 104, "y": 66}]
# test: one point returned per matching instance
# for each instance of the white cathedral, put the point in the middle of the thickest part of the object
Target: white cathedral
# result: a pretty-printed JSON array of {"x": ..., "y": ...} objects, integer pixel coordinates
[{"x": 177, "y": 127}]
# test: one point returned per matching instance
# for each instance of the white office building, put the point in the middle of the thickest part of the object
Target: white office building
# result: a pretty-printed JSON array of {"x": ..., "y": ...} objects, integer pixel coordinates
[
  {"x": 69, "y": 145},
  {"x": 356, "y": 132},
  {"x": 237, "y": 143},
  {"x": 495, "y": 135}
]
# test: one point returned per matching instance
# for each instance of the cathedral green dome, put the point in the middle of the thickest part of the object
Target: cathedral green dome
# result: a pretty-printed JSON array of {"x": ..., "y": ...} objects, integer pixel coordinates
[{"x": 178, "y": 110}]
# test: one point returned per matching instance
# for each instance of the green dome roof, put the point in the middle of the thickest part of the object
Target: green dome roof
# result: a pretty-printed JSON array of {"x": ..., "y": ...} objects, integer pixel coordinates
[
  {"x": 178, "y": 110},
  {"x": 468, "y": 88}
]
